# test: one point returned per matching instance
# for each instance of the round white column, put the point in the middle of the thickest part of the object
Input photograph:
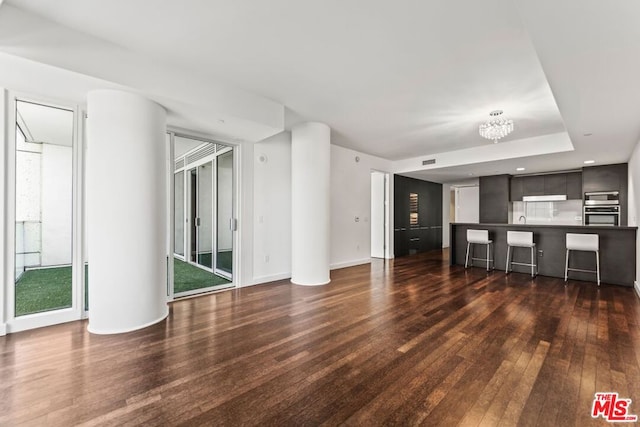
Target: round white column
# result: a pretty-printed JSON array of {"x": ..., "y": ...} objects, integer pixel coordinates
[
  {"x": 310, "y": 201},
  {"x": 126, "y": 212}
]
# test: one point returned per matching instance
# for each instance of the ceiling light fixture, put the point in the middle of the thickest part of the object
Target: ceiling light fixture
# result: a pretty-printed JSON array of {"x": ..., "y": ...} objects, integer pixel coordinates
[
  {"x": 519, "y": 169},
  {"x": 496, "y": 127},
  {"x": 589, "y": 162}
]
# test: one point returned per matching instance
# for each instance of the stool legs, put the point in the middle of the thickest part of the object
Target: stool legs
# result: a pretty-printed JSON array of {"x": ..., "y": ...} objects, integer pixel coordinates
[
  {"x": 466, "y": 258},
  {"x": 488, "y": 256},
  {"x": 566, "y": 267},
  {"x": 470, "y": 252},
  {"x": 598, "y": 266},
  {"x": 532, "y": 264}
]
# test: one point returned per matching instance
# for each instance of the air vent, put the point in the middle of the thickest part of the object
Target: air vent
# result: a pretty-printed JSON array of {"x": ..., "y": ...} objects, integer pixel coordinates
[
  {"x": 429, "y": 162},
  {"x": 179, "y": 164},
  {"x": 203, "y": 152}
]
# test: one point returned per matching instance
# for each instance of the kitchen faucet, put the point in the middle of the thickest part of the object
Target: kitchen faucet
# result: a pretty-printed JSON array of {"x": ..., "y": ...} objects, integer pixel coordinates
[{"x": 521, "y": 218}]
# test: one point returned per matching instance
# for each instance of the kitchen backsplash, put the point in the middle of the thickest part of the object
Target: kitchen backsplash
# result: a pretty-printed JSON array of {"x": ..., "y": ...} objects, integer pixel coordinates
[{"x": 567, "y": 212}]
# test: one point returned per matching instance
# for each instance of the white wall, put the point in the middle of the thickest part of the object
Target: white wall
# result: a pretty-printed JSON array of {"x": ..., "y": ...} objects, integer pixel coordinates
[
  {"x": 634, "y": 203},
  {"x": 446, "y": 200},
  {"x": 272, "y": 208},
  {"x": 57, "y": 193},
  {"x": 351, "y": 199},
  {"x": 4, "y": 244}
]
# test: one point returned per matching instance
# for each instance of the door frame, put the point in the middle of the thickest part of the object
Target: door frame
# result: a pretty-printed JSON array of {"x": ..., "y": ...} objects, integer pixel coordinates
[
  {"x": 76, "y": 311},
  {"x": 387, "y": 220},
  {"x": 173, "y": 132},
  {"x": 228, "y": 276}
]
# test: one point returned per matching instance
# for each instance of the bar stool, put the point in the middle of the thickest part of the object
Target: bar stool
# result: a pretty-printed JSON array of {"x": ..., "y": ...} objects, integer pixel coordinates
[
  {"x": 521, "y": 239},
  {"x": 480, "y": 237},
  {"x": 583, "y": 242}
]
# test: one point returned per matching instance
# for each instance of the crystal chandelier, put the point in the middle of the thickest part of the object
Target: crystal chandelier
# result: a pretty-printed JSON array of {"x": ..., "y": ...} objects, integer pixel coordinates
[{"x": 497, "y": 127}]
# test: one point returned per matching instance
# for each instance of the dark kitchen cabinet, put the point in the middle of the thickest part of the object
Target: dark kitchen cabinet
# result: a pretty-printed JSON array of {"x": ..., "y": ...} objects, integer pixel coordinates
[
  {"x": 426, "y": 231},
  {"x": 545, "y": 185},
  {"x": 604, "y": 178},
  {"x": 401, "y": 192},
  {"x": 555, "y": 184},
  {"x": 574, "y": 186},
  {"x": 494, "y": 199},
  {"x": 517, "y": 190},
  {"x": 533, "y": 185},
  {"x": 608, "y": 178}
]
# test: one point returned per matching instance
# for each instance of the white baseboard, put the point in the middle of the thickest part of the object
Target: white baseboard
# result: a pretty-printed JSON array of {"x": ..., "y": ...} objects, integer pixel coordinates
[
  {"x": 3, "y": 329},
  {"x": 269, "y": 278},
  {"x": 636, "y": 286},
  {"x": 283, "y": 276},
  {"x": 350, "y": 263}
]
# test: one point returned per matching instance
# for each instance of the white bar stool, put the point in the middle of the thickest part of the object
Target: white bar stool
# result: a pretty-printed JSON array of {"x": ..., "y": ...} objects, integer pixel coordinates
[
  {"x": 521, "y": 239},
  {"x": 583, "y": 242},
  {"x": 480, "y": 237}
]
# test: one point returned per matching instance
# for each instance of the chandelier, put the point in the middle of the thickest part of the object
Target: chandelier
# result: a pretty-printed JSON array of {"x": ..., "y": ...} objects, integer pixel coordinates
[{"x": 497, "y": 127}]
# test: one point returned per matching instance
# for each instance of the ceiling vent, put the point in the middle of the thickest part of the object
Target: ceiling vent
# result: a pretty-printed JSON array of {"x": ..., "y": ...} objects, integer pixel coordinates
[
  {"x": 201, "y": 153},
  {"x": 429, "y": 162}
]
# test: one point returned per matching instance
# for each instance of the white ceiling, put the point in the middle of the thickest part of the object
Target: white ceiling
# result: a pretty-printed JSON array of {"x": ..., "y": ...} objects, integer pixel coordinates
[{"x": 402, "y": 79}]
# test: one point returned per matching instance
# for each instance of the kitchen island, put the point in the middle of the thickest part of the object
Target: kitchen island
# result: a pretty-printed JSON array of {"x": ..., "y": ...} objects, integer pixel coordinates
[{"x": 617, "y": 250}]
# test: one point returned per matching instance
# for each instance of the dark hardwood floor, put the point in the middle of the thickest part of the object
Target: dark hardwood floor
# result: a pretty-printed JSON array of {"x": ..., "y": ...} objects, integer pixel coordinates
[{"x": 406, "y": 342}]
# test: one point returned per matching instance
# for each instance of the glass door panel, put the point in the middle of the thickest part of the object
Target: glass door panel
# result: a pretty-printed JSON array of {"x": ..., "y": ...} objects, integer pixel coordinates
[
  {"x": 44, "y": 197},
  {"x": 224, "y": 214},
  {"x": 204, "y": 220},
  {"x": 178, "y": 207},
  {"x": 195, "y": 223}
]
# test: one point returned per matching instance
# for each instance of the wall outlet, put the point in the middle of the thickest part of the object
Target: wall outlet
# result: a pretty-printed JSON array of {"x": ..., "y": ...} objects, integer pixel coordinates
[{"x": 540, "y": 253}]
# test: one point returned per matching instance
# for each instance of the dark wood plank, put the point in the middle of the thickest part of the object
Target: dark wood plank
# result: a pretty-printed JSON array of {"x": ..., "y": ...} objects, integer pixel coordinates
[{"x": 412, "y": 341}]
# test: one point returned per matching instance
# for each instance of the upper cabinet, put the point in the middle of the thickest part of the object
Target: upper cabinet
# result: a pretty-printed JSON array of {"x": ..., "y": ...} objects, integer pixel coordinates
[
  {"x": 604, "y": 178},
  {"x": 555, "y": 184},
  {"x": 533, "y": 185},
  {"x": 574, "y": 186},
  {"x": 494, "y": 199},
  {"x": 547, "y": 185},
  {"x": 517, "y": 188},
  {"x": 608, "y": 178}
]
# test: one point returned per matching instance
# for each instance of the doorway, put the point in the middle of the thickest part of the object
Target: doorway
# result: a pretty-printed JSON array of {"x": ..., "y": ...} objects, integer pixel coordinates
[
  {"x": 379, "y": 214},
  {"x": 203, "y": 201},
  {"x": 44, "y": 232}
]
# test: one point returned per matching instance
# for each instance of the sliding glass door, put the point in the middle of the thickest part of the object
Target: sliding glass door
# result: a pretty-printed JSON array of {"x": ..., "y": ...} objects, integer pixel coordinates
[
  {"x": 203, "y": 214},
  {"x": 224, "y": 214}
]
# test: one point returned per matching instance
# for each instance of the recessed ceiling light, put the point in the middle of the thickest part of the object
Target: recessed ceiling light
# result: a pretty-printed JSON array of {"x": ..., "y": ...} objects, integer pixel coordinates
[
  {"x": 589, "y": 162},
  {"x": 470, "y": 174},
  {"x": 520, "y": 169}
]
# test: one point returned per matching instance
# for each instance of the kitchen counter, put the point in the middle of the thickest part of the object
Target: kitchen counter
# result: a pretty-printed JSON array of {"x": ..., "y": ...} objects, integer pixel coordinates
[{"x": 617, "y": 250}]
